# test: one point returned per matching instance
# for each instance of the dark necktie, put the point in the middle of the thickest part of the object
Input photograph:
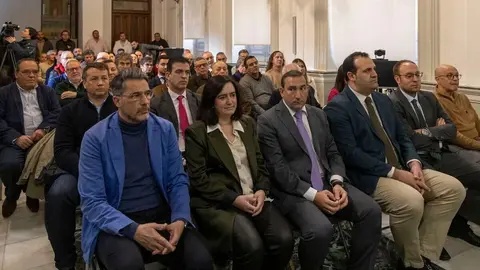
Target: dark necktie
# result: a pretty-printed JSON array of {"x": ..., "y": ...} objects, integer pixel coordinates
[
  {"x": 382, "y": 134},
  {"x": 316, "y": 177},
  {"x": 419, "y": 114}
]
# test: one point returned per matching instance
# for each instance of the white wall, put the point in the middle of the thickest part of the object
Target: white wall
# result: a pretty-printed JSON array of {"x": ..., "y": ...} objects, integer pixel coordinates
[
  {"x": 21, "y": 12},
  {"x": 95, "y": 15},
  {"x": 368, "y": 25},
  {"x": 460, "y": 38}
]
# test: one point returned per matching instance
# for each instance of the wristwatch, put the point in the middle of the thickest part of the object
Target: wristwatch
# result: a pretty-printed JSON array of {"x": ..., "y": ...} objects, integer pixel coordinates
[
  {"x": 338, "y": 182},
  {"x": 426, "y": 132}
]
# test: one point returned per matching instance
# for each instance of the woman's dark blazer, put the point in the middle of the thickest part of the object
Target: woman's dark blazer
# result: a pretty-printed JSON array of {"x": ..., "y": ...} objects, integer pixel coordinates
[{"x": 214, "y": 179}]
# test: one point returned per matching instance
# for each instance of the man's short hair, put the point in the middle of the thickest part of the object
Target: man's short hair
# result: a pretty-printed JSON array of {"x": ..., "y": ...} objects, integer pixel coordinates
[
  {"x": 291, "y": 74},
  {"x": 243, "y": 51},
  {"x": 162, "y": 57},
  {"x": 19, "y": 62},
  {"x": 172, "y": 61},
  {"x": 124, "y": 57},
  {"x": 71, "y": 61},
  {"x": 32, "y": 32},
  {"x": 88, "y": 52},
  {"x": 146, "y": 59},
  {"x": 349, "y": 63},
  {"x": 248, "y": 58},
  {"x": 220, "y": 53},
  {"x": 52, "y": 51},
  {"x": 108, "y": 61},
  {"x": 118, "y": 83},
  {"x": 396, "y": 67},
  {"x": 95, "y": 65}
]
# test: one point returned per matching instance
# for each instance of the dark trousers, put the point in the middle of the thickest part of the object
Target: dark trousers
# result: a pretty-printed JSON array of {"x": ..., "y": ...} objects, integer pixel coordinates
[
  {"x": 262, "y": 242},
  {"x": 118, "y": 253},
  {"x": 61, "y": 202},
  {"x": 12, "y": 160},
  {"x": 317, "y": 231},
  {"x": 465, "y": 166}
]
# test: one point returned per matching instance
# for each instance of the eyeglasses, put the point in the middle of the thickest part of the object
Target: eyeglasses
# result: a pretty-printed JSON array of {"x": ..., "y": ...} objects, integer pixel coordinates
[
  {"x": 451, "y": 76},
  {"x": 28, "y": 72},
  {"x": 73, "y": 69},
  {"x": 136, "y": 96},
  {"x": 410, "y": 75}
]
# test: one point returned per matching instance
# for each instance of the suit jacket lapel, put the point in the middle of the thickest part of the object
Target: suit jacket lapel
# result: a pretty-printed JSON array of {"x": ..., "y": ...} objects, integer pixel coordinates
[
  {"x": 192, "y": 104},
  {"x": 359, "y": 107},
  {"x": 155, "y": 155},
  {"x": 40, "y": 99},
  {"x": 314, "y": 125},
  {"x": 115, "y": 148},
  {"x": 18, "y": 102},
  {"x": 407, "y": 106},
  {"x": 250, "y": 149},
  {"x": 170, "y": 110},
  {"x": 289, "y": 123},
  {"x": 223, "y": 151},
  {"x": 428, "y": 111}
]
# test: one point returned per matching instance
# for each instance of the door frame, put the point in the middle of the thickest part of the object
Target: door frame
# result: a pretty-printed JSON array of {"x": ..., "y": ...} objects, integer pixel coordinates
[{"x": 149, "y": 12}]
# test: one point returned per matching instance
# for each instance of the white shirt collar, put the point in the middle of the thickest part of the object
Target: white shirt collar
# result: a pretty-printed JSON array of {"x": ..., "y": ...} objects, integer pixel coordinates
[
  {"x": 175, "y": 95},
  {"x": 292, "y": 112},
  {"x": 23, "y": 90},
  {"x": 360, "y": 97},
  {"x": 409, "y": 97},
  {"x": 236, "y": 126}
]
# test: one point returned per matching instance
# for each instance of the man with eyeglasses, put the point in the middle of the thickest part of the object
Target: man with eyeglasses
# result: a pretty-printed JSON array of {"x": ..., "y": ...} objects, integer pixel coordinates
[
  {"x": 189, "y": 56},
  {"x": 208, "y": 56},
  {"x": 458, "y": 107},
  {"x": 72, "y": 88},
  {"x": 434, "y": 136},
  {"x": 61, "y": 194},
  {"x": 28, "y": 111},
  {"x": 133, "y": 189},
  {"x": 202, "y": 74}
]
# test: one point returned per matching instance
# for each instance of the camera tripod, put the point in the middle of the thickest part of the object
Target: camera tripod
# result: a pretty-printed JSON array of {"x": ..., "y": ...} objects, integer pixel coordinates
[{"x": 9, "y": 52}]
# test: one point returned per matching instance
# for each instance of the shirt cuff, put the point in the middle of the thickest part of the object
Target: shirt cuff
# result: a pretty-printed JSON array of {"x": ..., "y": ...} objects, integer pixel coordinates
[
  {"x": 336, "y": 177},
  {"x": 130, "y": 230},
  {"x": 310, "y": 194},
  {"x": 412, "y": 160},
  {"x": 391, "y": 172}
]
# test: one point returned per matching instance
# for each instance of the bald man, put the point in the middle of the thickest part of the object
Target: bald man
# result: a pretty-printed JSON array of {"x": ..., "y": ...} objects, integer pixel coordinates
[
  {"x": 219, "y": 68},
  {"x": 433, "y": 135},
  {"x": 275, "y": 98},
  {"x": 458, "y": 107}
]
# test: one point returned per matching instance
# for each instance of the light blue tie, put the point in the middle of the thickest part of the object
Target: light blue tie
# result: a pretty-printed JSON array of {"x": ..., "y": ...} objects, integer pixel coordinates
[{"x": 317, "y": 175}]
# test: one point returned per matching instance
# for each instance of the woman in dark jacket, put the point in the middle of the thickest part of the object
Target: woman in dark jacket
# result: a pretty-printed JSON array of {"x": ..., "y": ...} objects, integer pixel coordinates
[{"x": 229, "y": 183}]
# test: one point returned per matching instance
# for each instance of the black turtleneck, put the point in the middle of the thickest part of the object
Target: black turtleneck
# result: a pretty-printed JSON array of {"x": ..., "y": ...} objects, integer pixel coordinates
[{"x": 140, "y": 190}]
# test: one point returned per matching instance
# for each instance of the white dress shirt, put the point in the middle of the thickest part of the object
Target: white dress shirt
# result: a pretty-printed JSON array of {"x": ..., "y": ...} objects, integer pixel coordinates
[
  {"x": 125, "y": 45},
  {"x": 32, "y": 115},
  {"x": 311, "y": 192},
  {"x": 174, "y": 96},
  {"x": 239, "y": 154},
  {"x": 362, "y": 98}
]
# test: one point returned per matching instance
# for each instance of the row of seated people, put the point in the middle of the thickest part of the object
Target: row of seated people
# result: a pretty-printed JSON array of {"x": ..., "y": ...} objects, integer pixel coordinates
[{"x": 228, "y": 190}]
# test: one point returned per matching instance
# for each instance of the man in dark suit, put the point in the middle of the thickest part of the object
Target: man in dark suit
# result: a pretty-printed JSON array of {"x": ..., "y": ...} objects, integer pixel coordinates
[
  {"x": 433, "y": 134},
  {"x": 308, "y": 178},
  {"x": 161, "y": 78},
  {"x": 202, "y": 74},
  {"x": 222, "y": 57},
  {"x": 27, "y": 112},
  {"x": 178, "y": 105},
  {"x": 276, "y": 97},
  {"x": 381, "y": 161}
]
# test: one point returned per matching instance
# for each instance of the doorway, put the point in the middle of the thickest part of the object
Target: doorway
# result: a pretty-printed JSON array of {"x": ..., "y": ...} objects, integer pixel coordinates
[{"x": 133, "y": 17}]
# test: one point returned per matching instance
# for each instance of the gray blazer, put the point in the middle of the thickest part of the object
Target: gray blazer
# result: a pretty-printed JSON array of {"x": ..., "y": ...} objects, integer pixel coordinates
[
  {"x": 163, "y": 107},
  {"x": 286, "y": 156}
]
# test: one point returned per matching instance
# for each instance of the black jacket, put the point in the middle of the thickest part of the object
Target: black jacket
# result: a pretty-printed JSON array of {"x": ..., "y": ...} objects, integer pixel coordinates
[
  {"x": 25, "y": 48},
  {"x": 75, "y": 119},
  {"x": 11, "y": 111},
  {"x": 68, "y": 45},
  {"x": 162, "y": 42},
  {"x": 47, "y": 46}
]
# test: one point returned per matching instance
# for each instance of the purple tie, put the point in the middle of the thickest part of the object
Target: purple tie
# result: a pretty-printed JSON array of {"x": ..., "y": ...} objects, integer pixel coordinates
[{"x": 317, "y": 175}]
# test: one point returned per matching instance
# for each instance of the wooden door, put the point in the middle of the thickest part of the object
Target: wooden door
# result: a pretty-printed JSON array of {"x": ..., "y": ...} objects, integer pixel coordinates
[{"x": 133, "y": 17}]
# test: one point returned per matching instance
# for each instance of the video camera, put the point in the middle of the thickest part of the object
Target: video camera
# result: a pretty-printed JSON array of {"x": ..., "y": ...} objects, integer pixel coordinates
[{"x": 8, "y": 30}]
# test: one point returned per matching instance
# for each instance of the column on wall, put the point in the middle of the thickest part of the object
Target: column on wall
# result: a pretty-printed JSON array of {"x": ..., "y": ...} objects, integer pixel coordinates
[
  {"x": 167, "y": 19},
  {"x": 95, "y": 16},
  {"x": 218, "y": 26},
  {"x": 428, "y": 38}
]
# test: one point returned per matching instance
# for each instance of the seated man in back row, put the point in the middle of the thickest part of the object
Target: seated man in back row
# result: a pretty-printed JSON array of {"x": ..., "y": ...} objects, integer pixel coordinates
[
  {"x": 308, "y": 178},
  {"x": 133, "y": 189},
  {"x": 381, "y": 161},
  {"x": 433, "y": 134},
  {"x": 61, "y": 195}
]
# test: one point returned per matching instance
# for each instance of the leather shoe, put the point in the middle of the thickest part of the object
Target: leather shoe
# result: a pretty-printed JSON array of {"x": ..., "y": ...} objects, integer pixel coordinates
[
  {"x": 33, "y": 204},
  {"x": 8, "y": 208},
  {"x": 445, "y": 256},
  {"x": 467, "y": 235},
  {"x": 430, "y": 266}
]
